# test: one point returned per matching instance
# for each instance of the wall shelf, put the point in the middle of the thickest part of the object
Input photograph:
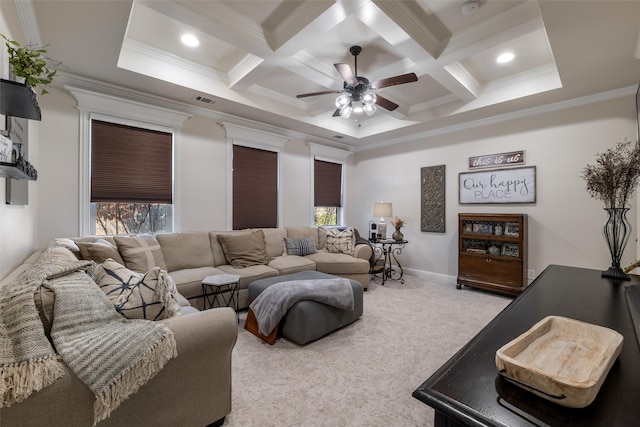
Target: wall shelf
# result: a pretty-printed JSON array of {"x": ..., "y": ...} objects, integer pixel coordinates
[
  {"x": 18, "y": 100},
  {"x": 11, "y": 170}
]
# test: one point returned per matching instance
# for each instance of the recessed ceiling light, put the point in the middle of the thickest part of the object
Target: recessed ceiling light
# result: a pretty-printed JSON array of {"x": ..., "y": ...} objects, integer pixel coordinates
[
  {"x": 503, "y": 58},
  {"x": 190, "y": 40}
]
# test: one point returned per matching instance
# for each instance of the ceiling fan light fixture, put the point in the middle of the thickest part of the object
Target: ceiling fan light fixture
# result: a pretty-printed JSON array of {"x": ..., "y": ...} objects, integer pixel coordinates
[
  {"x": 343, "y": 100},
  {"x": 369, "y": 109},
  {"x": 368, "y": 97},
  {"x": 346, "y": 111}
]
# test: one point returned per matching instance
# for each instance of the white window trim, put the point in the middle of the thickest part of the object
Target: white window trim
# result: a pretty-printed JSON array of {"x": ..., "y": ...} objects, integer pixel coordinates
[
  {"x": 97, "y": 106},
  {"x": 252, "y": 138},
  {"x": 332, "y": 155}
]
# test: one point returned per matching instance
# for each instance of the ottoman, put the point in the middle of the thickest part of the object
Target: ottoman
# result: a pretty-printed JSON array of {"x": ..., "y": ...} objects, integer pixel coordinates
[{"x": 308, "y": 320}]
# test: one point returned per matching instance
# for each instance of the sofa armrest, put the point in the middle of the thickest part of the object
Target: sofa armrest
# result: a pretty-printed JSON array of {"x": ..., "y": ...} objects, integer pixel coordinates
[
  {"x": 205, "y": 331},
  {"x": 363, "y": 251},
  {"x": 192, "y": 389}
]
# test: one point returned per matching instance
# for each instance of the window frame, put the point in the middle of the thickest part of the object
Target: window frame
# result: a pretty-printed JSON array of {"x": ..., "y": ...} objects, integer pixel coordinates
[
  {"x": 331, "y": 155},
  {"x": 89, "y": 228},
  {"x": 252, "y": 138},
  {"x": 109, "y": 108}
]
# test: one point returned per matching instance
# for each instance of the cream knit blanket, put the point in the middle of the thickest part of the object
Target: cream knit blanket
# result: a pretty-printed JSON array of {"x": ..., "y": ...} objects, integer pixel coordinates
[{"x": 112, "y": 355}]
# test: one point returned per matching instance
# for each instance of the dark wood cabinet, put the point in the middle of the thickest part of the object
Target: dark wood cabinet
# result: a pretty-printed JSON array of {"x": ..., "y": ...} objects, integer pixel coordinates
[
  {"x": 468, "y": 391},
  {"x": 492, "y": 251}
]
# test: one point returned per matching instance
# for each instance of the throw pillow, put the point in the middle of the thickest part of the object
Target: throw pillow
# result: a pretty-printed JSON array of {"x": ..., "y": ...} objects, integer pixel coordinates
[
  {"x": 300, "y": 247},
  {"x": 140, "y": 253},
  {"x": 67, "y": 243},
  {"x": 244, "y": 250},
  {"x": 99, "y": 251},
  {"x": 340, "y": 242},
  {"x": 151, "y": 296}
]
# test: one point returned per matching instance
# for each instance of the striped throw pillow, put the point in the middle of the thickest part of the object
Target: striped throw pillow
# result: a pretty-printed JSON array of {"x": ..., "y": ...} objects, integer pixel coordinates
[{"x": 300, "y": 247}]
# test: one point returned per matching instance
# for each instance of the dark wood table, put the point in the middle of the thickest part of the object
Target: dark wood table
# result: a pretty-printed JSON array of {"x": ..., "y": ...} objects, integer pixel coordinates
[{"x": 468, "y": 391}]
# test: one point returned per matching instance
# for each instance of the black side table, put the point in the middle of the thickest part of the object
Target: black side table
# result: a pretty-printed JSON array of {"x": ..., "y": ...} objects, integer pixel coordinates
[
  {"x": 387, "y": 266},
  {"x": 224, "y": 291}
]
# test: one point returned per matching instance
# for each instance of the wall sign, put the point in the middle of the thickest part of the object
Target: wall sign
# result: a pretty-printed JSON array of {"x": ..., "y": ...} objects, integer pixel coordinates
[
  {"x": 511, "y": 158},
  {"x": 514, "y": 185}
]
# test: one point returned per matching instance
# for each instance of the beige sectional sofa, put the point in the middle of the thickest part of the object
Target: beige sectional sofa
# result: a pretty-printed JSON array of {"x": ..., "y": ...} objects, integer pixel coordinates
[
  {"x": 192, "y": 389},
  {"x": 195, "y": 387},
  {"x": 192, "y": 256}
]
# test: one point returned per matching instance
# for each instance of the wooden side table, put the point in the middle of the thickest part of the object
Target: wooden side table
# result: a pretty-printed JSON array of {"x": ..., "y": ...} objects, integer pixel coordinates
[{"x": 224, "y": 291}]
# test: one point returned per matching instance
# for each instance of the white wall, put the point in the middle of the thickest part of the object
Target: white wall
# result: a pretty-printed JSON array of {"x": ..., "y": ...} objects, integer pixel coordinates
[
  {"x": 565, "y": 224},
  {"x": 17, "y": 223},
  {"x": 201, "y": 169}
]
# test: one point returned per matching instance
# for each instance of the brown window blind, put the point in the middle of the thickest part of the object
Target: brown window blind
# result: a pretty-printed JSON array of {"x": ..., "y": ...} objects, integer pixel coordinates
[
  {"x": 327, "y": 184},
  {"x": 130, "y": 164},
  {"x": 255, "y": 188}
]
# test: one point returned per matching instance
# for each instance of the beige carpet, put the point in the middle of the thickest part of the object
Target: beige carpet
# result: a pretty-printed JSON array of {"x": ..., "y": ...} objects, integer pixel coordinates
[{"x": 363, "y": 374}]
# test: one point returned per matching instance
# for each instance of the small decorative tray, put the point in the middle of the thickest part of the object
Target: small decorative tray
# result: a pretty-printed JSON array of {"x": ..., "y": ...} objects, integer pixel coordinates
[{"x": 560, "y": 359}]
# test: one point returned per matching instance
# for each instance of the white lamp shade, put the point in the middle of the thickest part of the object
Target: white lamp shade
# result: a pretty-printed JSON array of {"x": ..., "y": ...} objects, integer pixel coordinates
[
  {"x": 343, "y": 100},
  {"x": 346, "y": 111},
  {"x": 369, "y": 97},
  {"x": 369, "y": 109},
  {"x": 382, "y": 209}
]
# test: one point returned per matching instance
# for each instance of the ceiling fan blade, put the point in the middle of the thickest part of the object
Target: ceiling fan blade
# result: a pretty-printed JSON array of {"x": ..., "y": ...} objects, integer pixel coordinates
[
  {"x": 397, "y": 80},
  {"x": 385, "y": 103},
  {"x": 346, "y": 73},
  {"x": 336, "y": 113},
  {"x": 304, "y": 95}
]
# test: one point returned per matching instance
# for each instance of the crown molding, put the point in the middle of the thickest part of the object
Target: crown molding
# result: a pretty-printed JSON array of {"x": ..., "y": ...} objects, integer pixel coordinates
[{"x": 501, "y": 118}]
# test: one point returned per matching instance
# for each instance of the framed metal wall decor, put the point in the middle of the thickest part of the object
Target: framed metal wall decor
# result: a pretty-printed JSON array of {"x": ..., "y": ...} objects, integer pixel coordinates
[
  {"x": 513, "y": 185},
  {"x": 432, "y": 199}
]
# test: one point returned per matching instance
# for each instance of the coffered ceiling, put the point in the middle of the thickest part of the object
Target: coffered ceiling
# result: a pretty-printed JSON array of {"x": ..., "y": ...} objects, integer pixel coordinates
[{"x": 254, "y": 57}]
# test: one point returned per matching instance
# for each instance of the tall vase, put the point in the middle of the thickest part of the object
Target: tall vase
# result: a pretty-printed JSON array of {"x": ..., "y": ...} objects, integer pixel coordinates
[
  {"x": 397, "y": 235},
  {"x": 616, "y": 232}
]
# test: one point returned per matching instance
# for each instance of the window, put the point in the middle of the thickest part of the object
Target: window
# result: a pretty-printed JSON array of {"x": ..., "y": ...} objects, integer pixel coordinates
[
  {"x": 255, "y": 188},
  {"x": 327, "y": 193},
  {"x": 131, "y": 182}
]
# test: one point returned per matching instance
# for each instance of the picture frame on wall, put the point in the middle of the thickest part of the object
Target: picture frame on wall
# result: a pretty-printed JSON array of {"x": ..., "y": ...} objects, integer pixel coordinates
[
  {"x": 512, "y": 185},
  {"x": 17, "y": 191}
]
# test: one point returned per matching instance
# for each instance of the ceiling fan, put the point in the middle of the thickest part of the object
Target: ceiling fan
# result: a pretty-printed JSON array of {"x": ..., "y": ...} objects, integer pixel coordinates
[{"x": 358, "y": 88}]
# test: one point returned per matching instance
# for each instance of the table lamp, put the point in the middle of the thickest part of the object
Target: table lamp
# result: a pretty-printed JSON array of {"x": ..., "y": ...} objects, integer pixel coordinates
[{"x": 382, "y": 210}]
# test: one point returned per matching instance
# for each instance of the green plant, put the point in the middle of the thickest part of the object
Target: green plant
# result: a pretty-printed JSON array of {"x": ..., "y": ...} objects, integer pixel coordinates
[
  {"x": 31, "y": 63},
  {"x": 614, "y": 177}
]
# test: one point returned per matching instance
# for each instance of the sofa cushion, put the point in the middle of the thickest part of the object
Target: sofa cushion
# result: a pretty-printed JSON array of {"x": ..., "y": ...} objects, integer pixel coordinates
[
  {"x": 216, "y": 247},
  {"x": 67, "y": 243},
  {"x": 150, "y": 296},
  {"x": 338, "y": 264},
  {"x": 186, "y": 250},
  {"x": 99, "y": 251},
  {"x": 340, "y": 241},
  {"x": 189, "y": 282},
  {"x": 244, "y": 250},
  {"x": 299, "y": 246},
  {"x": 291, "y": 264},
  {"x": 140, "y": 253},
  {"x": 273, "y": 240},
  {"x": 300, "y": 232}
]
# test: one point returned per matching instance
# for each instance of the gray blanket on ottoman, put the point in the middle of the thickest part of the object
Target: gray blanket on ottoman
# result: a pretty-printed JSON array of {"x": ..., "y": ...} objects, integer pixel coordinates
[{"x": 274, "y": 302}]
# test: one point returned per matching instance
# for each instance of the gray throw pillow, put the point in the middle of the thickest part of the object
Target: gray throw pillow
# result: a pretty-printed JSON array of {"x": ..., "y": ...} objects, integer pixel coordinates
[{"x": 300, "y": 247}]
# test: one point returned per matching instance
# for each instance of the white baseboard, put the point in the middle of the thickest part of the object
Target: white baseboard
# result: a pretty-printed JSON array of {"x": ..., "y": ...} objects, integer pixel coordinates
[{"x": 443, "y": 279}]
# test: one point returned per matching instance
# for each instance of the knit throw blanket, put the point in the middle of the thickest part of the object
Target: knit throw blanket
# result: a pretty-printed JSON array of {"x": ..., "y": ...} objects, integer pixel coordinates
[{"x": 112, "y": 355}]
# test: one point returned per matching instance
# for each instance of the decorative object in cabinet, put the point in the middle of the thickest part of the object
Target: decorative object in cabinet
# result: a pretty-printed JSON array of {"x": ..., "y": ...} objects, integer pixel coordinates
[{"x": 492, "y": 252}]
